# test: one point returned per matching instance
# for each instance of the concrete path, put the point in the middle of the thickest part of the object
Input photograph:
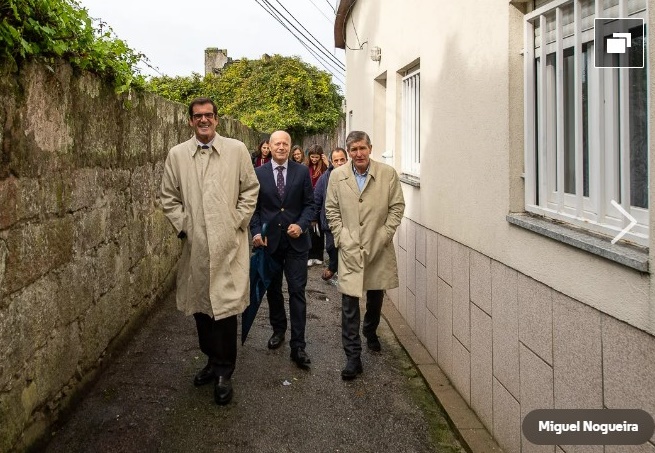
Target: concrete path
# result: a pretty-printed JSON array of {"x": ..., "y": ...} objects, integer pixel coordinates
[{"x": 145, "y": 400}]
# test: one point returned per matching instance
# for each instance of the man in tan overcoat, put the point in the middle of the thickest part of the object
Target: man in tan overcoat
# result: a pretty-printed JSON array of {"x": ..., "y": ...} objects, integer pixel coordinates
[
  {"x": 209, "y": 192},
  {"x": 364, "y": 206}
]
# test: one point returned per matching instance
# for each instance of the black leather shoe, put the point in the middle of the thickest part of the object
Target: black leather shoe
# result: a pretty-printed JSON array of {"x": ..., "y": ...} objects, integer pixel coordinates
[
  {"x": 373, "y": 344},
  {"x": 352, "y": 369},
  {"x": 276, "y": 340},
  {"x": 301, "y": 358},
  {"x": 204, "y": 376},
  {"x": 223, "y": 391}
]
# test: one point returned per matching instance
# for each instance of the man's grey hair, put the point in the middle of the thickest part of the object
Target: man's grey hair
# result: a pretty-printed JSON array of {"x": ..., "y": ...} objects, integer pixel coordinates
[{"x": 356, "y": 136}]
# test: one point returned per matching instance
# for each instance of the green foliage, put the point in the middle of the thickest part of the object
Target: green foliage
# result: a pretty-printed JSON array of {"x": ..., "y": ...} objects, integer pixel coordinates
[
  {"x": 268, "y": 94},
  {"x": 180, "y": 89},
  {"x": 62, "y": 29}
]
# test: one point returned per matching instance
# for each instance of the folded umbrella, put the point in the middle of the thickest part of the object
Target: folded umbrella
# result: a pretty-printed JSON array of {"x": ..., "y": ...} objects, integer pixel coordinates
[{"x": 262, "y": 269}]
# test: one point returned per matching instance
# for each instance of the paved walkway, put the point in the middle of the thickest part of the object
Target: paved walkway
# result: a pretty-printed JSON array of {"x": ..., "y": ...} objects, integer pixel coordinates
[{"x": 145, "y": 399}]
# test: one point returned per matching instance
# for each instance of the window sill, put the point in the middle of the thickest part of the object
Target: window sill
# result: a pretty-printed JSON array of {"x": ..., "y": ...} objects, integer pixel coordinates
[
  {"x": 633, "y": 256},
  {"x": 410, "y": 179}
]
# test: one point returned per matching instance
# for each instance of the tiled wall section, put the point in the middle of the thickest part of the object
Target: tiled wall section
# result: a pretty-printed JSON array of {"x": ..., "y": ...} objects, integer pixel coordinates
[{"x": 510, "y": 344}]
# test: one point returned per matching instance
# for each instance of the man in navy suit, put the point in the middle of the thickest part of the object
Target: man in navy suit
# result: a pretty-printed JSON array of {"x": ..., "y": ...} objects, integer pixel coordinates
[{"x": 286, "y": 204}]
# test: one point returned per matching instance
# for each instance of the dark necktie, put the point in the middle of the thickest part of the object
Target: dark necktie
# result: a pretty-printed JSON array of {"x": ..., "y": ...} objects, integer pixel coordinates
[{"x": 280, "y": 181}]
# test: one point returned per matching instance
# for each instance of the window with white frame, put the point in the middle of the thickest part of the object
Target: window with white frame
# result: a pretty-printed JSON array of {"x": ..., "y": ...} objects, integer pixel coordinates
[
  {"x": 586, "y": 129},
  {"x": 411, "y": 122}
]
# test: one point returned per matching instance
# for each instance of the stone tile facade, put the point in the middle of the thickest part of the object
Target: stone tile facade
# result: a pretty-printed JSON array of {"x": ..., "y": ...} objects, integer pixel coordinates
[
  {"x": 481, "y": 365},
  {"x": 510, "y": 344}
]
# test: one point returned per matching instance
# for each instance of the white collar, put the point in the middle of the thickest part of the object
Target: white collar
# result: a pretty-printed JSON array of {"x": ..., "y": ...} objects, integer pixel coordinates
[{"x": 284, "y": 165}]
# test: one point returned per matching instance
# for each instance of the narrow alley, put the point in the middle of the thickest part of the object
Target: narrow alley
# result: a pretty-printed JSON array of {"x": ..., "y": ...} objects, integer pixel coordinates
[{"x": 145, "y": 399}]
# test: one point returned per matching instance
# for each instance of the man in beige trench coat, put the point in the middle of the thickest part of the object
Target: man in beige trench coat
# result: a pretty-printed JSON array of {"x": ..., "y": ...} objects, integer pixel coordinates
[
  {"x": 209, "y": 192},
  {"x": 364, "y": 206}
]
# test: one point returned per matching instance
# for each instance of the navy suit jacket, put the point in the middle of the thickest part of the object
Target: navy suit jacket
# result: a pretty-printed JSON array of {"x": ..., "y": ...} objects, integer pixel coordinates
[{"x": 297, "y": 206}]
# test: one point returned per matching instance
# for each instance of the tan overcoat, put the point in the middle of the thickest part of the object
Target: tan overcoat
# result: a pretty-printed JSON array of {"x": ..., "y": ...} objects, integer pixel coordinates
[
  {"x": 213, "y": 271},
  {"x": 363, "y": 225}
]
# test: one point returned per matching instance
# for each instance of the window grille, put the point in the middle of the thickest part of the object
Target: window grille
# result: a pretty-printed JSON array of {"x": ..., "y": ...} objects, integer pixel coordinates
[
  {"x": 586, "y": 129},
  {"x": 411, "y": 123}
]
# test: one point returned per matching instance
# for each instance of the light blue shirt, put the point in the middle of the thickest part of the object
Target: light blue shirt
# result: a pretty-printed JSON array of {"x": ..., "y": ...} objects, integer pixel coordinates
[{"x": 361, "y": 179}]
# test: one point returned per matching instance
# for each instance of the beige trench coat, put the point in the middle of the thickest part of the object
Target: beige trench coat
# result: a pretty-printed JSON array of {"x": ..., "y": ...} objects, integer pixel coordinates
[
  {"x": 363, "y": 225},
  {"x": 213, "y": 271}
]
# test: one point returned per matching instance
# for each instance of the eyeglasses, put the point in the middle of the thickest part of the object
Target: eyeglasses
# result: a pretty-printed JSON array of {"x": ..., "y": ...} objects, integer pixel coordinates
[{"x": 199, "y": 116}]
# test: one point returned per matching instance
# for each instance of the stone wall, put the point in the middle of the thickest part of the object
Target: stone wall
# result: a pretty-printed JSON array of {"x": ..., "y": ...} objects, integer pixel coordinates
[
  {"x": 84, "y": 249},
  {"x": 329, "y": 141}
]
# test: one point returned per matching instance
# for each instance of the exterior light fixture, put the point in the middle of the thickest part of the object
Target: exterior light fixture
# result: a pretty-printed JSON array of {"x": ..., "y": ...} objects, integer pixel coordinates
[{"x": 376, "y": 53}]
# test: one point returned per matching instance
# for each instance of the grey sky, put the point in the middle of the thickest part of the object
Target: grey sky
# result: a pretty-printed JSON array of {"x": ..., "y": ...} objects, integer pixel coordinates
[{"x": 174, "y": 34}]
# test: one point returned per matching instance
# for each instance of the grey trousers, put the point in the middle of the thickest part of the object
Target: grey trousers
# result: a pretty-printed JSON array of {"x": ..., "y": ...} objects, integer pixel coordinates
[{"x": 350, "y": 319}]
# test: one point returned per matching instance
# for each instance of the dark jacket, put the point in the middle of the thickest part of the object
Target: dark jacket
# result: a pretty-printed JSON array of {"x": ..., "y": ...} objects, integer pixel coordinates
[
  {"x": 258, "y": 161},
  {"x": 320, "y": 192},
  {"x": 297, "y": 206}
]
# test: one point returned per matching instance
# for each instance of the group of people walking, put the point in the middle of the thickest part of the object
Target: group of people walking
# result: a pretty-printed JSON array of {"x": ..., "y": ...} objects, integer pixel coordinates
[{"x": 212, "y": 193}]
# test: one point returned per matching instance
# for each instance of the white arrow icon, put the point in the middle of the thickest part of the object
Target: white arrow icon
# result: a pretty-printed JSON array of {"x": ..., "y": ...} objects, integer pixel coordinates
[{"x": 632, "y": 220}]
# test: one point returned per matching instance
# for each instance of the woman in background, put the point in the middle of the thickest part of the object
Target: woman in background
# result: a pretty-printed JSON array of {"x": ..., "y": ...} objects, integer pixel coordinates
[
  {"x": 317, "y": 163},
  {"x": 297, "y": 155},
  {"x": 262, "y": 155}
]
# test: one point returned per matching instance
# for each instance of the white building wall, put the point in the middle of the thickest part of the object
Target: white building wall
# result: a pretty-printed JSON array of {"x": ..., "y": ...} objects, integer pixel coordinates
[
  {"x": 471, "y": 164},
  {"x": 516, "y": 320}
]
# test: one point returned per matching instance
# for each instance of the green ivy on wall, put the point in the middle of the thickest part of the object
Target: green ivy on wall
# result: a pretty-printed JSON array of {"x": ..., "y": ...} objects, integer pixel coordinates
[
  {"x": 49, "y": 30},
  {"x": 271, "y": 93}
]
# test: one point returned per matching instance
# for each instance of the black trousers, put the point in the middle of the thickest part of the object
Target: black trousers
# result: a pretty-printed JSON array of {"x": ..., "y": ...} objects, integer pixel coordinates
[
  {"x": 293, "y": 265},
  {"x": 218, "y": 341},
  {"x": 332, "y": 251},
  {"x": 350, "y": 319},
  {"x": 316, "y": 252}
]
